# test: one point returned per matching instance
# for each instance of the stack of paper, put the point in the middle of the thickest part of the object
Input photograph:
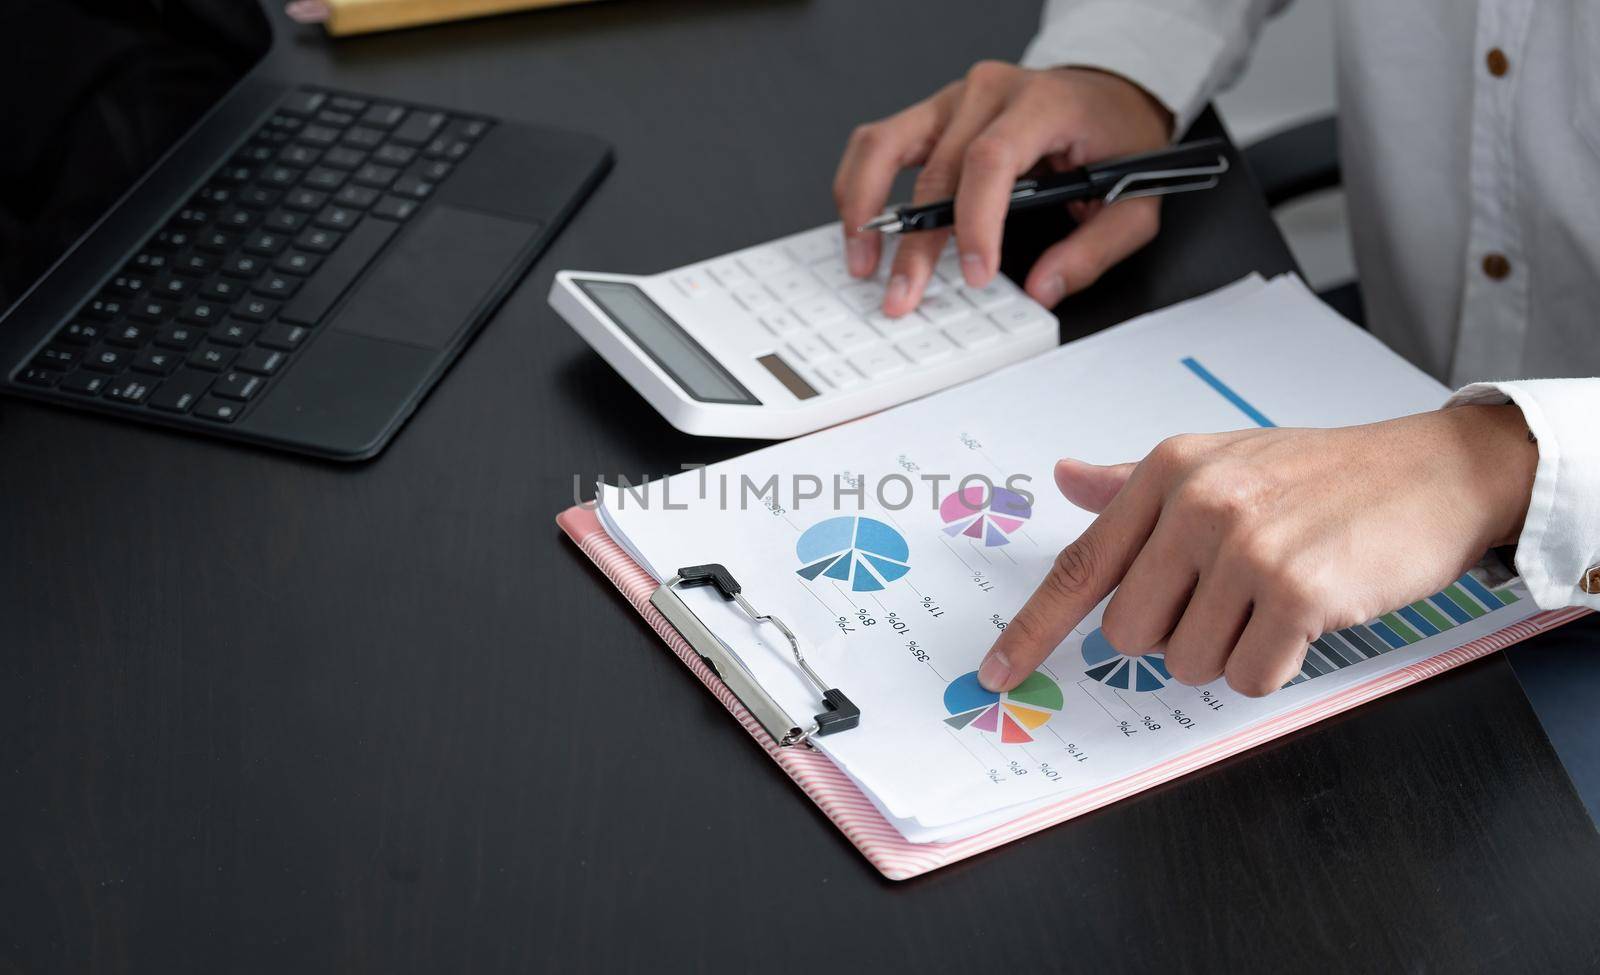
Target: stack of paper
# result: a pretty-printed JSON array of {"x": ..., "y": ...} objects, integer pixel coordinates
[{"x": 898, "y": 546}]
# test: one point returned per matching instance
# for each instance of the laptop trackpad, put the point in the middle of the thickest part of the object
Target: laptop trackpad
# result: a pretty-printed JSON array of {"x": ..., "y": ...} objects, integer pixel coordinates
[{"x": 429, "y": 284}]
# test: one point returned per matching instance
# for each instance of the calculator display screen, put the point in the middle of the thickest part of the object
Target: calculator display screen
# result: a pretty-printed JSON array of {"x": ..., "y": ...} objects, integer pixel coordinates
[{"x": 679, "y": 355}]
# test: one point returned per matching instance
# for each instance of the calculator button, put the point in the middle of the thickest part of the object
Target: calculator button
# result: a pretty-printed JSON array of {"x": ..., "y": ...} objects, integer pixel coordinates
[
  {"x": 992, "y": 295},
  {"x": 834, "y": 275},
  {"x": 862, "y": 296},
  {"x": 949, "y": 268},
  {"x": 942, "y": 309},
  {"x": 878, "y": 361},
  {"x": 791, "y": 286},
  {"x": 781, "y": 323},
  {"x": 926, "y": 347},
  {"x": 815, "y": 245},
  {"x": 1022, "y": 317},
  {"x": 727, "y": 272},
  {"x": 972, "y": 333},
  {"x": 837, "y": 373},
  {"x": 894, "y": 328},
  {"x": 847, "y": 336},
  {"x": 935, "y": 286},
  {"x": 820, "y": 310},
  {"x": 129, "y": 389},
  {"x": 809, "y": 348},
  {"x": 693, "y": 284},
  {"x": 764, "y": 261},
  {"x": 754, "y": 297}
]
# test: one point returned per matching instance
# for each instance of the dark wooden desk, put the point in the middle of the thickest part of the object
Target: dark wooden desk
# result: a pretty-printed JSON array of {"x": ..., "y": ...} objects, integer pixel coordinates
[{"x": 266, "y": 715}]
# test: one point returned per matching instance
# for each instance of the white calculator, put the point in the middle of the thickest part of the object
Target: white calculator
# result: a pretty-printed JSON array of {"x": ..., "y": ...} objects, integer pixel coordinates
[{"x": 778, "y": 340}]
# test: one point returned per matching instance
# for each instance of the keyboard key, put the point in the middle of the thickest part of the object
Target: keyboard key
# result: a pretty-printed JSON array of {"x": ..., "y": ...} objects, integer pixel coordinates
[
  {"x": 148, "y": 262},
  {"x": 235, "y": 333},
  {"x": 942, "y": 309},
  {"x": 925, "y": 347},
  {"x": 215, "y": 196},
  {"x": 238, "y": 385},
  {"x": 815, "y": 245},
  {"x": 820, "y": 310},
  {"x": 847, "y": 336},
  {"x": 220, "y": 410},
  {"x": 180, "y": 337},
  {"x": 344, "y": 157},
  {"x": 284, "y": 337},
  {"x": 991, "y": 296},
  {"x": 179, "y": 393},
  {"x": 107, "y": 360},
  {"x": 299, "y": 156},
  {"x": 467, "y": 129},
  {"x": 693, "y": 284},
  {"x": 263, "y": 362},
  {"x": 278, "y": 286},
  {"x": 445, "y": 147},
  {"x": 862, "y": 297},
  {"x": 126, "y": 285},
  {"x": 38, "y": 376},
  {"x": 755, "y": 298},
  {"x": 338, "y": 272},
  {"x": 419, "y": 127},
  {"x": 413, "y": 187},
  {"x": 87, "y": 383},
  {"x": 364, "y": 137},
  {"x": 195, "y": 265},
  {"x": 808, "y": 348},
  {"x": 373, "y": 174},
  {"x": 103, "y": 309},
  {"x": 762, "y": 261},
  {"x": 80, "y": 333},
  {"x": 318, "y": 241},
  {"x": 265, "y": 243},
  {"x": 973, "y": 333},
  {"x": 791, "y": 286},
  {"x": 258, "y": 197},
  {"x": 170, "y": 239},
  {"x": 155, "y": 362},
  {"x": 781, "y": 323},
  {"x": 302, "y": 103},
  {"x": 728, "y": 272},
  {"x": 129, "y": 389},
  {"x": 347, "y": 103},
  {"x": 431, "y": 170},
  {"x": 243, "y": 266},
  {"x": 150, "y": 310},
  {"x": 359, "y": 197},
  {"x": 837, "y": 373},
  {"x": 318, "y": 135},
  {"x": 58, "y": 357},
  {"x": 212, "y": 357},
  {"x": 187, "y": 217},
  {"x": 834, "y": 275},
  {"x": 216, "y": 241},
  {"x": 394, "y": 208},
  {"x": 281, "y": 176},
  {"x": 948, "y": 268},
  {"x": 1022, "y": 317},
  {"x": 174, "y": 288},
  {"x": 879, "y": 361},
  {"x": 305, "y": 200},
  {"x": 254, "y": 154},
  {"x": 129, "y": 335},
  {"x": 338, "y": 218},
  {"x": 238, "y": 218},
  {"x": 235, "y": 175},
  {"x": 339, "y": 120},
  {"x": 222, "y": 289},
  {"x": 383, "y": 116},
  {"x": 392, "y": 155},
  {"x": 254, "y": 309},
  {"x": 325, "y": 179},
  {"x": 284, "y": 221}
]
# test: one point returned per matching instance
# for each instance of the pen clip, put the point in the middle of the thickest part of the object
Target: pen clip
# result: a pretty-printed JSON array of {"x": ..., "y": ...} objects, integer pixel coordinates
[{"x": 1165, "y": 182}]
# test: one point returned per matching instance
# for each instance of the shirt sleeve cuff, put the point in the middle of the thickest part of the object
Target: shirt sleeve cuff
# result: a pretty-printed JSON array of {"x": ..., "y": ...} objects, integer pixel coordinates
[
  {"x": 1176, "y": 60},
  {"x": 1560, "y": 539}
]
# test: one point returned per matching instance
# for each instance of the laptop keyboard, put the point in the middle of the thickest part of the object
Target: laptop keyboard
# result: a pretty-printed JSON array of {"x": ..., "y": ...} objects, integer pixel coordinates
[{"x": 221, "y": 299}]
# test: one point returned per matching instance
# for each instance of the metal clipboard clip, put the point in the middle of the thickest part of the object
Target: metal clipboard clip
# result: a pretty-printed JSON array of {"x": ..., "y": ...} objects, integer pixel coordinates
[
  {"x": 1164, "y": 182},
  {"x": 837, "y": 714}
]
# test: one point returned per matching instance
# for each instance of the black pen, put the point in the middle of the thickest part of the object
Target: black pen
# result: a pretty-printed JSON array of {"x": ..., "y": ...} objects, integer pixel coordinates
[{"x": 1176, "y": 169}]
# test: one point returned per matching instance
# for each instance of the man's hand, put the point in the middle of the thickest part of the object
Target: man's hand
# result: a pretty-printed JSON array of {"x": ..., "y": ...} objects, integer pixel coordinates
[
  {"x": 974, "y": 139},
  {"x": 1231, "y": 552}
]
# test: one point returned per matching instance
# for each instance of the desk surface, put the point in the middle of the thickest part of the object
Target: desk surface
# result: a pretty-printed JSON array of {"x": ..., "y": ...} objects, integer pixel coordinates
[{"x": 262, "y": 714}]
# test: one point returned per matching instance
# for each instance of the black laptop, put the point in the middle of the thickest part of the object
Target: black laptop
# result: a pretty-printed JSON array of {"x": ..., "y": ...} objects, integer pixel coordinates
[{"x": 186, "y": 242}]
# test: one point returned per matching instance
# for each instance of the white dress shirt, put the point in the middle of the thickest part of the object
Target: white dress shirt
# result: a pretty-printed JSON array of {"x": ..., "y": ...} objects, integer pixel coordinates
[{"x": 1470, "y": 145}]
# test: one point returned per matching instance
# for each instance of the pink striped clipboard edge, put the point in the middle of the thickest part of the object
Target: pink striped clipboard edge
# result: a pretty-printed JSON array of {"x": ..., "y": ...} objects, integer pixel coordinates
[{"x": 878, "y": 840}]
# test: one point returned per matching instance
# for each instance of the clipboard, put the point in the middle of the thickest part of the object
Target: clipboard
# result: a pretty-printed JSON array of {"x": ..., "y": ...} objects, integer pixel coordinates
[{"x": 860, "y": 821}]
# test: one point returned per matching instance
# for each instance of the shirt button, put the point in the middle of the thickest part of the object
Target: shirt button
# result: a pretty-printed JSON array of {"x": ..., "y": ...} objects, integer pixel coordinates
[
  {"x": 1498, "y": 63},
  {"x": 1591, "y": 581},
  {"x": 1496, "y": 266}
]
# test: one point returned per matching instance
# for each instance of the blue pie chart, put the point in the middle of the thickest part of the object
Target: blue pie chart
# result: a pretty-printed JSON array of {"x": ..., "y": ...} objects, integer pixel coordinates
[{"x": 862, "y": 552}]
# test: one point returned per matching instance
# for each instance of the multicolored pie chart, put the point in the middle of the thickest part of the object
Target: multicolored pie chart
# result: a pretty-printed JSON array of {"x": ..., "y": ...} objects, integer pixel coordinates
[
  {"x": 984, "y": 513},
  {"x": 1012, "y": 716}
]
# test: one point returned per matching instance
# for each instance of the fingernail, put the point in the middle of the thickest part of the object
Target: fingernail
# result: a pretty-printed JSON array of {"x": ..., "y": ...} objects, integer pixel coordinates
[
  {"x": 1051, "y": 290},
  {"x": 858, "y": 255},
  {"x": 899, "y": 289},
  {"x": 994, "y": 671},
  {"x": 973, "y": 269}
]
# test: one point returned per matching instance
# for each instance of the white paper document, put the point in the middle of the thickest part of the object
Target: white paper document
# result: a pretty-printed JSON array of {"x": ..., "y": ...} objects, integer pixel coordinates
[{"x": 898, "y": 546}]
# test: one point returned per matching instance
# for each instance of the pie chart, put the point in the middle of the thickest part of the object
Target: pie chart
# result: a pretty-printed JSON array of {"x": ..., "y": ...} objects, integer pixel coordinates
[
  {"x": 1012, "y": 717},
  {"x": 863, "y": 552},
  {"x": 985, "y": 513},
  {"x": 1110, "y": 667}
]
